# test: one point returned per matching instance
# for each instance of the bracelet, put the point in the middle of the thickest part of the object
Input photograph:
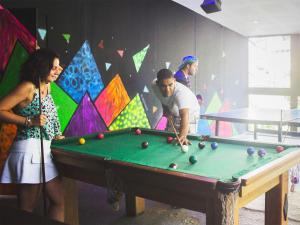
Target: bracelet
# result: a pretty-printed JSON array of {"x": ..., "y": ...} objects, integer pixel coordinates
[{"x": 27, "y": 121}]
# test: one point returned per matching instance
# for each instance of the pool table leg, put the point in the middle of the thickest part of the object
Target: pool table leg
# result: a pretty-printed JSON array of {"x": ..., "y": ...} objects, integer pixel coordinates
[
  {"x": 134, "y": 205},
  {"x": 275, "y": 202},
  {"x": 214, "y": 213}
]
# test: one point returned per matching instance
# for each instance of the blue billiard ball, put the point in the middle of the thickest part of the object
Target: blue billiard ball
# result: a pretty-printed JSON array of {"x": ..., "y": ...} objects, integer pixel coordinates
[
  {"x": 261, "y": 152},
  {"x": 214, "y": 145},
  {"x": 250, "y": 150}
]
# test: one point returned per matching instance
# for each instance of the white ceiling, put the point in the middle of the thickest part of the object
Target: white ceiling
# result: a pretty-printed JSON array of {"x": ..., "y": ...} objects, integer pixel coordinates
[{"x": 254, "y": 17}]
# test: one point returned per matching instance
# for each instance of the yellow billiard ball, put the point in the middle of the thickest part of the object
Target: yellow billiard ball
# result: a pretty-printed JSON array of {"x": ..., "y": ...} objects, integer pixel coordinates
[{"x": 81, "y": 141}]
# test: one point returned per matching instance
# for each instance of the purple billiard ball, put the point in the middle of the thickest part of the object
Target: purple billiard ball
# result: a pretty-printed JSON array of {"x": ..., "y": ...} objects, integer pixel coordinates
[
  {"x": 145, "y": 144},
  {"x": 214, "y": 145},
  {"x": 295, "y": 180},
  {"x": 250, "y": 150},
  {"x": 262, "y": 152}
]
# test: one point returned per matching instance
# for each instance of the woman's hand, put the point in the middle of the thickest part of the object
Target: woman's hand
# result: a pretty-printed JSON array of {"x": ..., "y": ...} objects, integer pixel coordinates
[
  {"x": 39, "y": 120},
  {"x": 59, "y": 137}
]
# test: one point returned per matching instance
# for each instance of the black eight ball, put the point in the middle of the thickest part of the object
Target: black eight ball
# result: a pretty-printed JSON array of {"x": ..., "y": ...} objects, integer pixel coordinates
[
  {"x": 145, "y": 144},
  {"x": 201, "y": 145}
]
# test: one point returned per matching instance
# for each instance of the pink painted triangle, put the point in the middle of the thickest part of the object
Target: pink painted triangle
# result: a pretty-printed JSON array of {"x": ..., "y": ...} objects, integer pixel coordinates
[
  {"x": 225, "y": 128},
  {"x": 1, "y": 7},
  {"x": 162, "y": 123},
  {"x": 121, "y": 53},
  {"x": 12, "y": 30},
  {"x": 101, "y": 44},
  {"x": 85, "y": 120}
]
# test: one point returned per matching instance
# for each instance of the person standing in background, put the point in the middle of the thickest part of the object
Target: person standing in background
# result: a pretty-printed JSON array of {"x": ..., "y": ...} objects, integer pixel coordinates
[{"x": 187, "y": 68}]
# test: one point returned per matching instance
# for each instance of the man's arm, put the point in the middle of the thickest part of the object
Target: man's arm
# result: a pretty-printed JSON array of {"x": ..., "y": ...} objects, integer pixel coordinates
[{"x": 184, "y": 125}]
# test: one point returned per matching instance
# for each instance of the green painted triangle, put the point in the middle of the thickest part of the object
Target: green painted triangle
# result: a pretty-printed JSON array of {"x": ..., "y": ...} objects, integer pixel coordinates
[
  {"x": 11, "y": 76},
  {"x": 65, "y": 105},
  {"x": 214, "y": 105},
  {"x": 132, "y": 116},
  {"x": 234, "y": 131},
  {"x": 67, "y": 37},
  {"x": 139, "y": 57}
]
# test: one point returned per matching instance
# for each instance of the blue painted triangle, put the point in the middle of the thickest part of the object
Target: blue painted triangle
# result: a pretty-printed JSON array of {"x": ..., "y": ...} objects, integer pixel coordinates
[
  {"x": 107, "y": 66},
  {"x": 42, "y": 33},
  {"x": 82, "y": 75},
  {"x": 146, "y": 90}
]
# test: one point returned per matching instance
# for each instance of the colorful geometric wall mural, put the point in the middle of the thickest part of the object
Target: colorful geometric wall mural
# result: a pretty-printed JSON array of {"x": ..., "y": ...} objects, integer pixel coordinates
[
  {"x": 162, "y": 123},
  {"x": 12, "y": 30},
  {"x": 82, "y": 75},
  {"x": 112, "y": 100},
  {"x": 85, "y": 120},
  {"x": 65, "y": 105},
  {"x": 226, "y": 129},
  {"x": 139, "y": 57},
  {"x": 11, "y": 75},
  {"x": 15, "y": 43},
  {"x": 132, "y": 116}
]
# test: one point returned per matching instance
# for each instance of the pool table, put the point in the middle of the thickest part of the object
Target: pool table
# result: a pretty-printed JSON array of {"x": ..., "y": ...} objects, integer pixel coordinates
[{"x": 219, "y": 183}]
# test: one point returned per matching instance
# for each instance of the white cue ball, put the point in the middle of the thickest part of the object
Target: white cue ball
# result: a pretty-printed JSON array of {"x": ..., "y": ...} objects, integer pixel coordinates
[{"x": 184, "y": 148}]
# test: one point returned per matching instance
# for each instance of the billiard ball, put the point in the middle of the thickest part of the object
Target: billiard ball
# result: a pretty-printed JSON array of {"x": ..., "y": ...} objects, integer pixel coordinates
[
  {"x": 184, "y": 148},
  {"x": 214, "y": 145},
  {"x": 250, "y": 150},
  {"x": 138, "y": 131},
  {"x": 279, "y": 148},
  {"x": 100, "y": 135},
  {"x": 145, "y": 144},
  {"x": 201, "y": 145},
  {"x": 261, "y": 152},
  {"x": 173, "y": 165},
  {"x": 81, "y": 141},
  {"x": 169, "y": 139},
  {"x": 193, "y": 159}
]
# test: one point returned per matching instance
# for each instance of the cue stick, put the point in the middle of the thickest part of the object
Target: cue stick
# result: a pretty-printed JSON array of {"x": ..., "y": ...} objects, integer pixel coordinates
[
  {"x": 42, "y": 155},
  {"x": 174, "y": 129}
]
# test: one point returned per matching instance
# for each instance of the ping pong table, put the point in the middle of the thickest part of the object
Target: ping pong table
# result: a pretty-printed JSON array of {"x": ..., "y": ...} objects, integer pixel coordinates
[{"x": 256, "y": 117}]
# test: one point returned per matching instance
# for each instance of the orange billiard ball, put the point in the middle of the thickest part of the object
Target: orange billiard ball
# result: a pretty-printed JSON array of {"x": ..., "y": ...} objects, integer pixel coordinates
[
  {"x": 81, "y": 141},
  {"x": 100, "y": 135}
]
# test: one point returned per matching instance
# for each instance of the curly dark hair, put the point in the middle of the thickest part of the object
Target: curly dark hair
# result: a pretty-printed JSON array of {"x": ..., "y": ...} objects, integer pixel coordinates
[{"x": 38, "y": 65}]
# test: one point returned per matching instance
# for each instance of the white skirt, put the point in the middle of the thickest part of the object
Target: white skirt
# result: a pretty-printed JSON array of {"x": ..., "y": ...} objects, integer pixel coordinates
[{"x": 23, "y": 164}]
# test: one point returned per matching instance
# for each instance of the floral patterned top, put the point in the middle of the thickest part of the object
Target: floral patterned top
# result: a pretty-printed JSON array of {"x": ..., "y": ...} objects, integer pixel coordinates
[{"x": 52, "y": 125}]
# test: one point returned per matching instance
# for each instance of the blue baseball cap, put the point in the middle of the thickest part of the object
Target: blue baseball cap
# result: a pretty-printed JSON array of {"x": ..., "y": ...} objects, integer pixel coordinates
[{"x": 187, "y": 60}]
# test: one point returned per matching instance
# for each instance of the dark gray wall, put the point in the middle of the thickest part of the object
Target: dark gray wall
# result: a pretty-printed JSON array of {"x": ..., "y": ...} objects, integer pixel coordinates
[{"x": 171, "y": 30}]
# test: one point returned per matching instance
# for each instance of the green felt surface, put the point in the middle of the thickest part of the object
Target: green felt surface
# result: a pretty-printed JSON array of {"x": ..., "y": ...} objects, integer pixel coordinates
[{"x": 227, "y": 161}]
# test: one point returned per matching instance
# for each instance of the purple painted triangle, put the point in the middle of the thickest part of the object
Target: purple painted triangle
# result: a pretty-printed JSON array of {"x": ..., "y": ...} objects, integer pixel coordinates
[{"x": 85, "y": 120}]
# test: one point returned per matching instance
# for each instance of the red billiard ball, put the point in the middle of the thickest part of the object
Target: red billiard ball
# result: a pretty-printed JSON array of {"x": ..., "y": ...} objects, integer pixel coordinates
[
  {"x": 100, "y": 136},
  {"x": 145, "y": 144},
  {"x": 279, "y": 148},
  {"x": 138, "y": 132},
  {"x": 169, "y": 139}
]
